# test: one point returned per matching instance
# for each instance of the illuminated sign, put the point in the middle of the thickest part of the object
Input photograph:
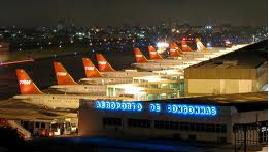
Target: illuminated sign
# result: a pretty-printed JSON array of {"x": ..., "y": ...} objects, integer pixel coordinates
[
  {"x": 155, "y": 107},
  {"x": 119, "y": 106},
  {"x": 183, "y": 109},
  {"x": 158, "y": 108}
]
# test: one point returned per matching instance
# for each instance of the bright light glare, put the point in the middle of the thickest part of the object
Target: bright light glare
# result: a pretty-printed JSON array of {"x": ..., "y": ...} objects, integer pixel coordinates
[
  {"x": 265, "y": 87},
  {"x": 162, "y": 44},
  {"x": 208, "y": 44},
  {"x": 133, "y": 90},
  {"x": 208, "y": 27},
  {"x": 227, "y": 42}
]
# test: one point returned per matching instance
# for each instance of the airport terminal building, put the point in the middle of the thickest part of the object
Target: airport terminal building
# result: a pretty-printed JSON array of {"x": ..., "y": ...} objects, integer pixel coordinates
[
  {"x": 215, "y": 119},
  {"x": 245, "y": 70}
]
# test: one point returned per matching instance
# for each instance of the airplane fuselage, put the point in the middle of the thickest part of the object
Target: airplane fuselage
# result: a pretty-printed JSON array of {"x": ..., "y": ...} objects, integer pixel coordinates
[
  {"x": 98, "y": 90},
  {"x": 54, "y": 101}
]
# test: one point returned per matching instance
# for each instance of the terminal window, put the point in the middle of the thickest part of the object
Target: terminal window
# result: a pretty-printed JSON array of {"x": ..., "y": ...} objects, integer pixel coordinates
[
  {"x": 43, "y": 125},
  {"x": 138, "y": 123},
  {"x": 187, "y": 126},
  {"x": 109, "y": 121},
  {"x": 192, "y": 137}
]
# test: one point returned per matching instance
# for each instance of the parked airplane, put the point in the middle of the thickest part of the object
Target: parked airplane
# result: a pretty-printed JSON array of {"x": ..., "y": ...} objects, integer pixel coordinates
[
  {"x": 67, "y": 84},
  {"x": 204, "y": 52},
  {"x": 156, "y": 62},
  {"x": 30, "y": 93},
  {"x": 108, "y": 75}
]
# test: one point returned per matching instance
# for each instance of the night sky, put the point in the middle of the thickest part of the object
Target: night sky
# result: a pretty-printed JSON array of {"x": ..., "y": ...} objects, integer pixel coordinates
[{"x": 116, "y": 12}]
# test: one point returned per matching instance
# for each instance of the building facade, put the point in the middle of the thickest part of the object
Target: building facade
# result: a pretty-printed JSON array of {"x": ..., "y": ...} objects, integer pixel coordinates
[{"x": 183, "y": 119}]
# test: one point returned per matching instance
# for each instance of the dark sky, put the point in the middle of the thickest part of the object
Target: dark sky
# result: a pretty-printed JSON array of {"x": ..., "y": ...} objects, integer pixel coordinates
[{"x": 115, "y": 12}]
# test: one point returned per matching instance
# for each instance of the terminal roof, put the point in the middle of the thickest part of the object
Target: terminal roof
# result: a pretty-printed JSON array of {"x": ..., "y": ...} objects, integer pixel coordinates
[{"x": 249, "y": 57}]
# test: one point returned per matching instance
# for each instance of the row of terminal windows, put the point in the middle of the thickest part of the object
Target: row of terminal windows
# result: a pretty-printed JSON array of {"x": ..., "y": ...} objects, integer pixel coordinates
[
  {"x": 117, "y": 122},
  {"x": 187, "y": 126},
  {"x": 168, "y": 125},
  {"x": 138, "y": 123}
]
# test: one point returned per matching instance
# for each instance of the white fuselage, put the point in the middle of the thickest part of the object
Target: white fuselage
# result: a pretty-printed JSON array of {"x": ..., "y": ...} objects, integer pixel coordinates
[
  {"x": 66, "y": 101},
  {"x": 96, "y": 90},
  {"x": 187, "y": 59},
  {"x": 166, "y": 64},
  {"x": 117, "y": 77},
  {"x": 150, "y": 66},
  {"x": 125, "y": 74},
  {"x": 211, "y": 52}
]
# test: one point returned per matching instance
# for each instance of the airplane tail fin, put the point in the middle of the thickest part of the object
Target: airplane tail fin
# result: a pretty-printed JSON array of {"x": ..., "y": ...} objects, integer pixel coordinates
[
  {"x": 174, "y": 50},
  {"x": 200, "y": 46},
  {"x": 63, "y": 77},
  {"x": 185, "y": 47},
  {"x": 153, "y": 54},
  {"x": 27, "y": 86},
  {"x": 103, "y": 65},
  {"x": 90, "y": 69},
  {"x": 139, "y": 57}
]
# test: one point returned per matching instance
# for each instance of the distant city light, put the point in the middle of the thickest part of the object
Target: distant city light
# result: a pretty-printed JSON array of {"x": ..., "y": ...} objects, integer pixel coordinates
[{"x": 208, "y": 27}]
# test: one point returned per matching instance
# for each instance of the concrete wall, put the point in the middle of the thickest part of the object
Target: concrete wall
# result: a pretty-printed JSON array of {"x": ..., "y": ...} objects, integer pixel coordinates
[
  {"x": 219, "y": 73},
  {"x": 217, "y": 86},
  {"x": 223, "y": 81}
]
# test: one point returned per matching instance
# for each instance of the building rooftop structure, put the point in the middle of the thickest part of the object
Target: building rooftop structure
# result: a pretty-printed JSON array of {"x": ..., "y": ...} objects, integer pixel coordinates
[
  {"x": 251, "y": 56},
  {"x": 244, "y": 70}
]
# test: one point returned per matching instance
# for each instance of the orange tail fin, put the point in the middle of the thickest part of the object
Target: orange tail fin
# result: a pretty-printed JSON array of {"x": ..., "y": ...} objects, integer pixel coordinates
[
  {"x": 90, "y": 69},
  {"x": 174, "y": 50},
  {"x": 27, "y": 86},
  {"x": 63, "y": 77},
  {"x": 103, "y": 65},
  {"x": 153, "y": 54},
  {"x": 185, "y": 47},
  {"x": 139, "y": 57}
]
